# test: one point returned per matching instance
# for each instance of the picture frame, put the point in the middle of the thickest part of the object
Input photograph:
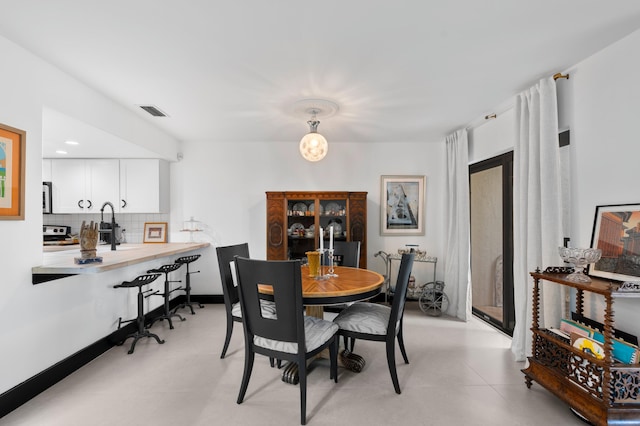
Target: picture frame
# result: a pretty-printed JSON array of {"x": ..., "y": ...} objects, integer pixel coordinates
[
  {"x": 155, "y": 232},
  {"x": 616, "y": 231},
  {"x": 402, "y": 205},
  {"x": 12, "y": 172}
]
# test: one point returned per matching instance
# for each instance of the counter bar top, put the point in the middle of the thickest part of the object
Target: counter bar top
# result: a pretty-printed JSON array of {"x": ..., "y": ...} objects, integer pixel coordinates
[{"x": 60, "y": 264}]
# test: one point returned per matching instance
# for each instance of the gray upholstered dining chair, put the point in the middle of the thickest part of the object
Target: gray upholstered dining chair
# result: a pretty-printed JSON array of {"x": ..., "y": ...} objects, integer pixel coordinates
[
  {"x": 291, "y": 335},
  {"x": 230, "y": 291},
  {"x": 346, "y": 253},
  {"x": 381, "y": 323}
]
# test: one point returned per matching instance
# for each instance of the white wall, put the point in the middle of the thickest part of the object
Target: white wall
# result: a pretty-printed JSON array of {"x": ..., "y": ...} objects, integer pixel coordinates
[
  {"x": 224, "y": 185},
  {"x": 606, "y": 110},
  {"x": 600, "y": 104},
  {"x": 43, "y": 324}
]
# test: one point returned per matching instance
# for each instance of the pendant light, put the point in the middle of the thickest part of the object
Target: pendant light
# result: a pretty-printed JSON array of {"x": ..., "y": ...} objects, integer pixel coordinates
[{"x": 313, "y": 146}]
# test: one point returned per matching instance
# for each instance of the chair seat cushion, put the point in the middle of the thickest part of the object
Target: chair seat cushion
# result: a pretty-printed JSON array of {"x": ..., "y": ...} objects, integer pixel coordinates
[
  {"x": 268, "y": 309},
  {"x": 317, "y": 332},
  {"x": 363, "y": 317}
]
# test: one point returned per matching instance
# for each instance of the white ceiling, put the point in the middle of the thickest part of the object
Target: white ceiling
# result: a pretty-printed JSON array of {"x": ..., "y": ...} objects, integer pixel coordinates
[{"x": 406, "y": 71}]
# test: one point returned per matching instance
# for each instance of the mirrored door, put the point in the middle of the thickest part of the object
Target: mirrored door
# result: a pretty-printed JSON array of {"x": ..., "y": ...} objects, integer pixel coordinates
[{"x": 491, "y": 201}]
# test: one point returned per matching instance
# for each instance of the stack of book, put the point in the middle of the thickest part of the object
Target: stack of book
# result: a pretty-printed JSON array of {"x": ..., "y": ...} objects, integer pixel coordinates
[{"x": 590, "y": 340}]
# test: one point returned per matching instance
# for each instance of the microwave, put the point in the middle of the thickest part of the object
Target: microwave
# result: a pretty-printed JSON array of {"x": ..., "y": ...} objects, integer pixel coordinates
[{"x": 47, "y": 208}]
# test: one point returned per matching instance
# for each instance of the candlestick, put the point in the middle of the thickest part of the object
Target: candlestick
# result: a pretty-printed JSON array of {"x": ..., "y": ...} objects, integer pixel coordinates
[
  {"x": 331, "y": 237},
  {"x": 321, "y": 239},
  {"x": 331, "y": 272}
]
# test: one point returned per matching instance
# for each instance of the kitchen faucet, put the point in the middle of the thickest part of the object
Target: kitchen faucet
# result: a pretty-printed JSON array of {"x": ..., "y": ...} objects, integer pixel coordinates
[{"x": 113, "y": 223}]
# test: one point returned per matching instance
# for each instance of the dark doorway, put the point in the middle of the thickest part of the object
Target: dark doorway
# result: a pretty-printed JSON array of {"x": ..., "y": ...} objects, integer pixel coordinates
[{"x": 491, "y": 201}]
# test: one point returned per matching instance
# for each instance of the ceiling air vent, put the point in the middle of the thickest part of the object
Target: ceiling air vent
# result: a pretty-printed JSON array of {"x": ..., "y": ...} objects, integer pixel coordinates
[{"x": 153, "y": 110}]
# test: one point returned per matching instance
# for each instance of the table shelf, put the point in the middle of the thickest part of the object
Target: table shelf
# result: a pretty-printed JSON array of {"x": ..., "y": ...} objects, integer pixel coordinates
[{"x": 602, "y": 391}]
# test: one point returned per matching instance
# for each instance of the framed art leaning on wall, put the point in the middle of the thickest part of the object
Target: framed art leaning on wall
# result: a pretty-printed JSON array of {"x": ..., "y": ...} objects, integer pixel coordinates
[
  {"x": 616, "y": 231},
  {"x": 402, "y": 205}
]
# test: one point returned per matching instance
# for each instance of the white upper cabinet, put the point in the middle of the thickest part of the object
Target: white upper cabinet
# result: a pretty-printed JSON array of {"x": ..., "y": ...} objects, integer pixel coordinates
[
  {"x": 84, "y": 185},
  {"x": 144, "y": 186},
  {"x": 46, "y": 170}
]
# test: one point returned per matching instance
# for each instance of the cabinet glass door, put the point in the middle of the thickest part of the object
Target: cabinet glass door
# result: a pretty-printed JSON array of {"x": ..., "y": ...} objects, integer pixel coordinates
[
  {"x": 333, "y": 217},
  {"x": 301, "y": 230}
]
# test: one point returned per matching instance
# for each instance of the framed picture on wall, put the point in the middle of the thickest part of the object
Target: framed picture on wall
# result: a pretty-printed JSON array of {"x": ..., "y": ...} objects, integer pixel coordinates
[
  {"x": 12, "y": 164},
  {"x": 402, "y": 205},
  {"x": 155, "y": 232},
  {"x": 616, "y": 231}
]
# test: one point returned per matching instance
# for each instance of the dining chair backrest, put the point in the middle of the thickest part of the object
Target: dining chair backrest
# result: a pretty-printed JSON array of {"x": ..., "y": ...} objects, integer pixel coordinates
[
  {"x": 400, "y": 295},
  {"x": 285, "y": 280},
  {"x": 347, "y": 253},
  {"x": 226, "y": 255}
]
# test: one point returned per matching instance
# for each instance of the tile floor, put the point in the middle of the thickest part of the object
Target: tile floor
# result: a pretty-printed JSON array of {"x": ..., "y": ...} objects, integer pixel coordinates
[{"x": 460, "y": 374}]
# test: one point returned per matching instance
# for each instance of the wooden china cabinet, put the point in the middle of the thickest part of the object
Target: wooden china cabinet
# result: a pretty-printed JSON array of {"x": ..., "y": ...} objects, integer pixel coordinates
[{"x": 294, "y": 219}]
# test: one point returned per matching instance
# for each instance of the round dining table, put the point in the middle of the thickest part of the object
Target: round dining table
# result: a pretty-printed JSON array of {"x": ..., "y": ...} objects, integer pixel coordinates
[{"x": 346, "y": 285}]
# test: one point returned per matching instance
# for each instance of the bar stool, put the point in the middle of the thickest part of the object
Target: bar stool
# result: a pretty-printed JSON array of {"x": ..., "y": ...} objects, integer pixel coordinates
[
  {"x": 186, "y": 260},
  {"x": 166, "y": 269},
  {"x": 141, "y": 331}
]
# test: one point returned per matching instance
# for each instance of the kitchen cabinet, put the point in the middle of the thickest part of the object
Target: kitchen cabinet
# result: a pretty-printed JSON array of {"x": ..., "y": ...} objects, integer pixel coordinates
[
  {"x": 46, "y": 170},
  {"x": 600, "y": 389},
  {"x": 84, "y": 185},
  {"x": 144, "y": 186},
  {"x": 294, "y": 219}
]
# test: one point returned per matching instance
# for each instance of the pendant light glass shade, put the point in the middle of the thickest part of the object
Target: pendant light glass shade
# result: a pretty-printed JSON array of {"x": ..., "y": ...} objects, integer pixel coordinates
[{"x": 313, "y": 145}]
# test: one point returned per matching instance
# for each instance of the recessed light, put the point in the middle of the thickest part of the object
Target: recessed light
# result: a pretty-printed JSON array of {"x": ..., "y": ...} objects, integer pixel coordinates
[
  {"x": 72, "y": 143},
  {"x": 59, "y": 151}
]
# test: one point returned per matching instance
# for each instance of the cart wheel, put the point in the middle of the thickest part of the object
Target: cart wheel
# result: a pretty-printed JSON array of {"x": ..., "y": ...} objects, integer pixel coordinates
[{"x": 433, "y": 301}]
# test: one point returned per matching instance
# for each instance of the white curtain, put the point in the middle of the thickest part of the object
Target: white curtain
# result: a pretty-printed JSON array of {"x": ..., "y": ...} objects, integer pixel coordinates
[
  {"x": 457, "y": 274},
  {"x": 537, "y": 208}
]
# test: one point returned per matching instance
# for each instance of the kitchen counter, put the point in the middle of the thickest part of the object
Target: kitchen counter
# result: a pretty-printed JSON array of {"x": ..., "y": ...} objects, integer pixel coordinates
[{"x": 58, "y": 262}]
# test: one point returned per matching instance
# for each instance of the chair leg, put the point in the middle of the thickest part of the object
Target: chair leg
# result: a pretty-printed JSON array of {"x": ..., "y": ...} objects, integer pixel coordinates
[
  {"x": 333, "y": 355},
  {"x": 349, "y": 343},
  {"x": 227, "y": 338},
  {"x": 401, "y": 344},
  {"x": 302, "y": 374},
  {"x": 273, "y": 362},
  {"x": 248, "y": 367},
  {"x": 391, "y": 360}
]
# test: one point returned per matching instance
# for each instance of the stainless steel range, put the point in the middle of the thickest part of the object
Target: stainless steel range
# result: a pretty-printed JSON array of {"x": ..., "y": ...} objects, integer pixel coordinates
[{"x": 56, "y": 235}]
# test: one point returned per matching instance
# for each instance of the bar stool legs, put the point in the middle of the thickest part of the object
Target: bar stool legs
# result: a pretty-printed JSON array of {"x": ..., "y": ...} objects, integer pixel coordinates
[
  {"x": 140, "y": 319},
  {"x": 167, "y": 315},
  {"x": 187, "y": 288}
]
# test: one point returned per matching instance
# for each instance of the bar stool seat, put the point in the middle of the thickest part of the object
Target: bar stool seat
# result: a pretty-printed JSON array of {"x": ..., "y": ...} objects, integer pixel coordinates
[
  {"x": 167, "y": 315},
  {"x": 141, "y": 332},
  {"x": 186, "y": 260}
]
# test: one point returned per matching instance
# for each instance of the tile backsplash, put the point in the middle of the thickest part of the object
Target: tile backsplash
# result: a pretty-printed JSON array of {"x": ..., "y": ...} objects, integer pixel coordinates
[{"x": 132, "y": 224}]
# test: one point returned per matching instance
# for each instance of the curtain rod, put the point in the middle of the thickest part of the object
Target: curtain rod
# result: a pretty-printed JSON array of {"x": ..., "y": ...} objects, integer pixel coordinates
[{"x": 492, "y": 116}]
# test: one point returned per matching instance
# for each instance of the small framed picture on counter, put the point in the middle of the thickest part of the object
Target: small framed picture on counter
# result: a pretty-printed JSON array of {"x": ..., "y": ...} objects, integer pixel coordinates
[{"x": 155, "y": 232}]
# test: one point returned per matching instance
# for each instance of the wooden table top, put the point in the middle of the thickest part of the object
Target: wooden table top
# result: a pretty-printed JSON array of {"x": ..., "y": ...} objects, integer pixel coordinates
[{"x": 351, "y": 285}]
